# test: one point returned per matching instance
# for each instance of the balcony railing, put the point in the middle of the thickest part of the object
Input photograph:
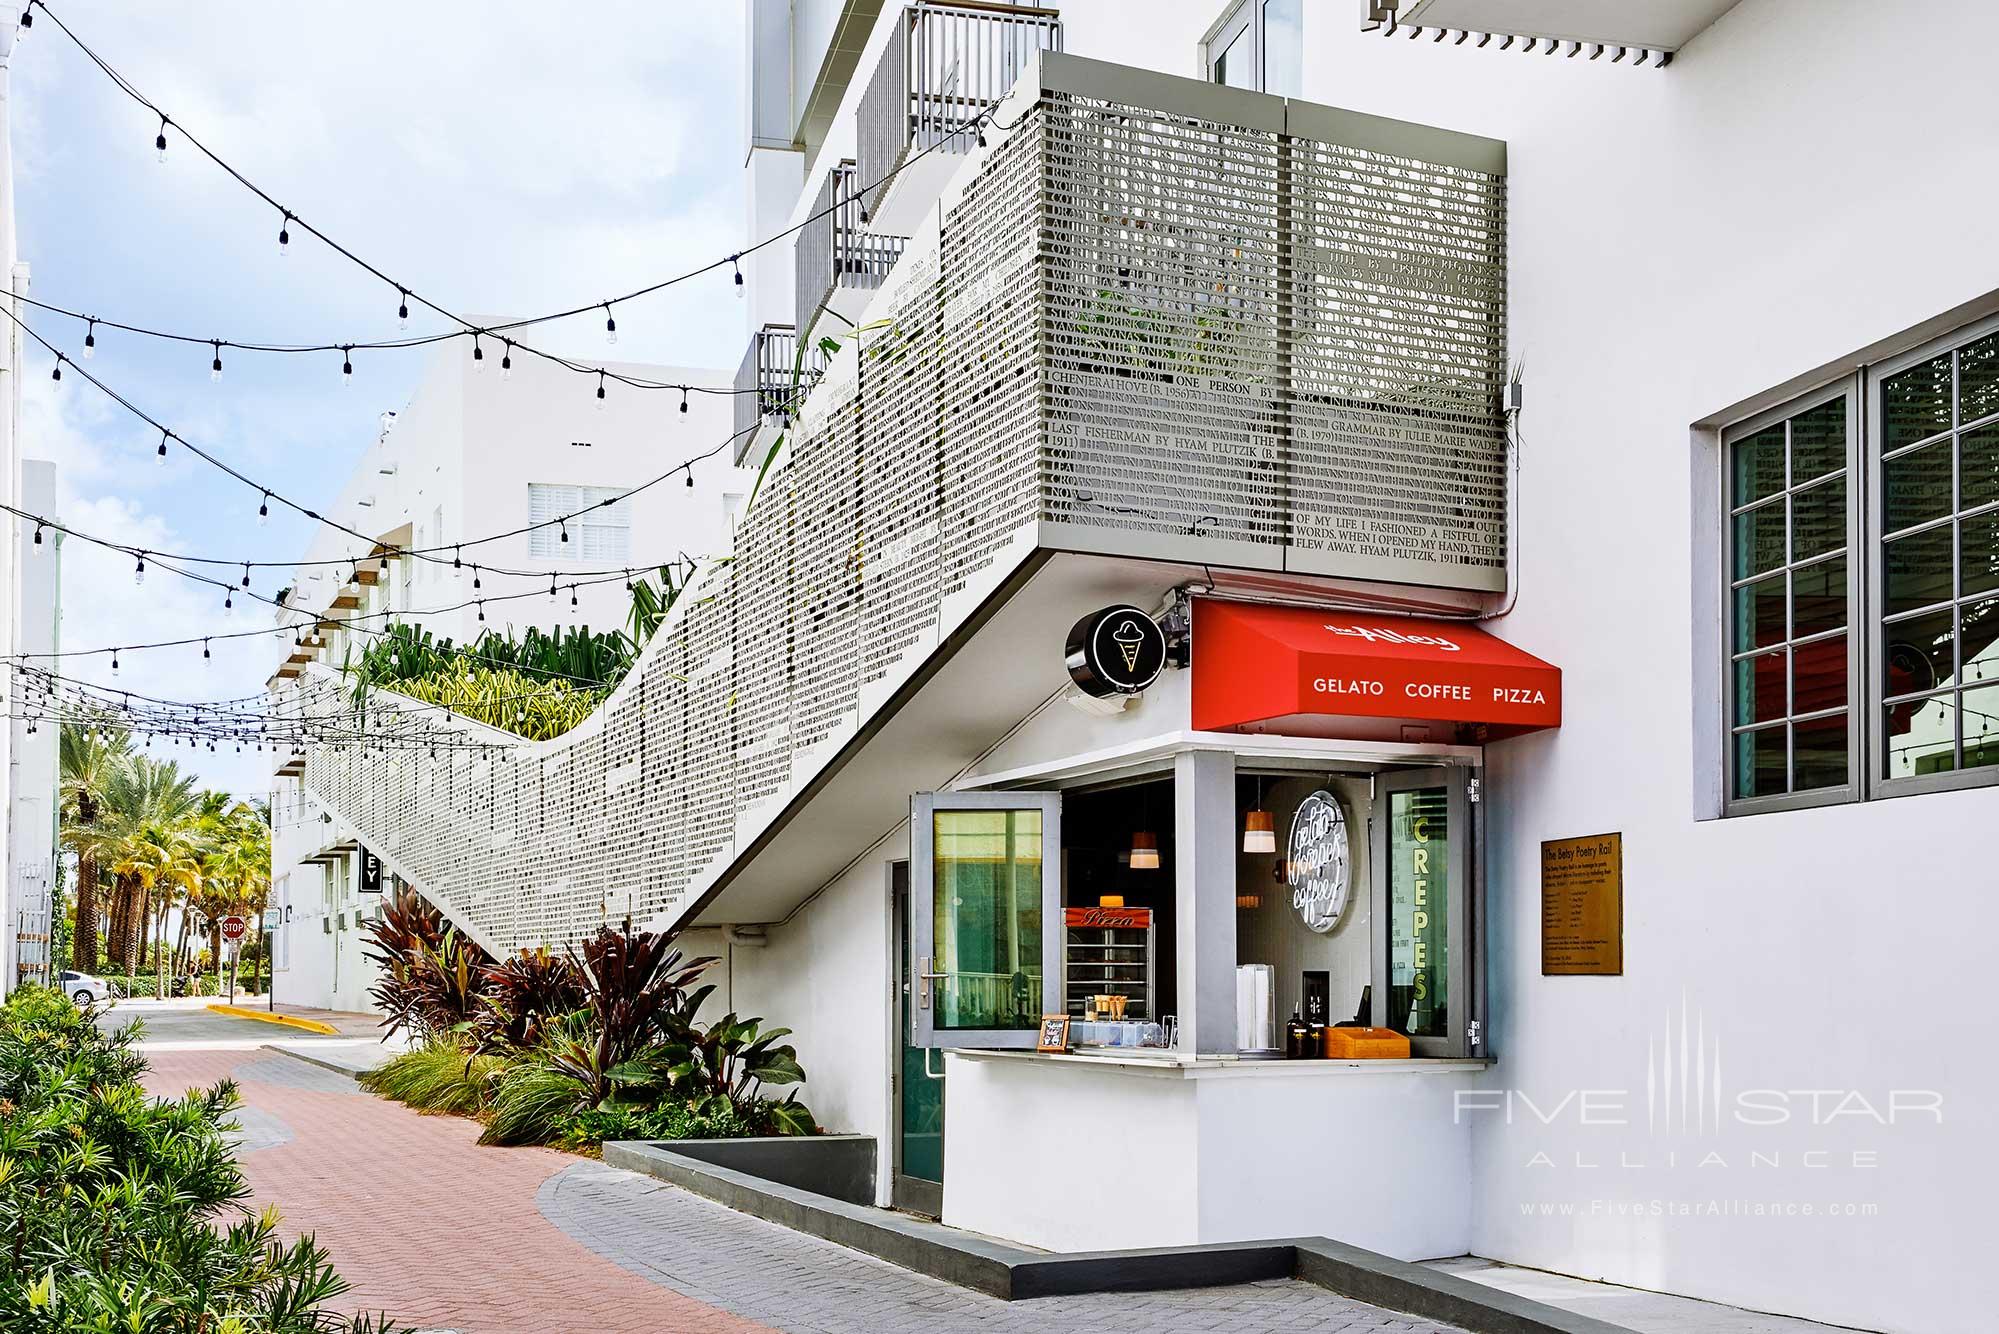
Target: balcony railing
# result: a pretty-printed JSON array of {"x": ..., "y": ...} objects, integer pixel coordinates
[
  {"x": 770, "y": 383},
  {"x": 1157, "y": 320},
  {"x": 840, "y": 260},
  {"x": 946, "y": 66}
]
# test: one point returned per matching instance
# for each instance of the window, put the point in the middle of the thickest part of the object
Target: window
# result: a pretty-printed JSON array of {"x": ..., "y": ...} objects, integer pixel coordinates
[
  {"x": 1258, "y": 44},
  {"x": 600, "y": 532},
  {"x": 1863, "y": 583}
]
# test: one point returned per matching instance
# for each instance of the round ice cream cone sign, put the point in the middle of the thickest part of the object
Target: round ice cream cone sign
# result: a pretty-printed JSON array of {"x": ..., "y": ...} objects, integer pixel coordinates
[{"x": 1116, "y": 651}]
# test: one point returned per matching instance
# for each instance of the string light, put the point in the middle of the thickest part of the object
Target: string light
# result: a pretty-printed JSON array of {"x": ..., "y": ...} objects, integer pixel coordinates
[
  {"x": 564, "y": 527},
  {"x": 610, "y": 325},
  {"x": 215, "y": 366},
  {"x": 478, "y": 354},
  {"x": 56, "y": 374},
  {"x": 263, "y": 517},
  {"x": 206, "y": 655},
  {"x": 160, "y": 455},
  {"x": 507, "y": 359},
  {"x": 690, "y": 477},
  {"x": 246, "y": 574},
  {"x": 572, "y": 596},
  {"x": 90, "y": 341},
  {"x": 735, "y": 262},
  {"x": 160, "y": 139},
  {"x": 403, "y": 308},
  {"x": 27, "y": 19},
  {"x": 38, "y": 533},
  {"x": 347, "y": 365},
  {"x": 284, "y": 234},
  {"x": 139, "y": 571},
  {"x": 228, "y": 602},
  {"x": 600, "y": 391},
  {"x": 683, "y": 402}
]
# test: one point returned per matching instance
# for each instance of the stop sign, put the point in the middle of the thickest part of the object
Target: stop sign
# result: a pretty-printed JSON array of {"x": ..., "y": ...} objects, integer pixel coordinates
[{"x": 234, "y": 927}]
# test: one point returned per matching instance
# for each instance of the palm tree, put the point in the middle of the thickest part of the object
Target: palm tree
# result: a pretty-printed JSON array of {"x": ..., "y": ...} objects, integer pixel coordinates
[
  {"x": 93, "y": 757},
  {"x": 150, "y": 801}
]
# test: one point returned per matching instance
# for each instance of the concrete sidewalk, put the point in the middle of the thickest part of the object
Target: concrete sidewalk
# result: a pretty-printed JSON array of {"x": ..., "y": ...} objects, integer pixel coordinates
[{"x": 1634, "y": 1308}]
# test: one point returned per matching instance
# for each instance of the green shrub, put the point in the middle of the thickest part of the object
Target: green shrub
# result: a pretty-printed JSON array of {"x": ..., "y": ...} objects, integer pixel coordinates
[
  {"x": 439, "y": 1076},
  {"x": 107, "y": 1197},
  {"x": 532, "y": 1100},
  {"x": 666, "y": 1120}
]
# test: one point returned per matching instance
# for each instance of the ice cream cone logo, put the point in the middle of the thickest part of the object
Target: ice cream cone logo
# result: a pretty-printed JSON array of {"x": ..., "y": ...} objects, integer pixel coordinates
[{"x": 1128, "y": 638}]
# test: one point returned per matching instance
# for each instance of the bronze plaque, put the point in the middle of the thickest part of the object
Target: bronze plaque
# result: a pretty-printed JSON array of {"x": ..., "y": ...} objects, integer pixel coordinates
[{"x": 1582, "y": 906}]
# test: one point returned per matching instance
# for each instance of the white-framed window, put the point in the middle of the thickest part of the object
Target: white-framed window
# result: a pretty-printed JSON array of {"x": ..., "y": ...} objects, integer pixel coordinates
[
  {"x": 1257, "y": 44},
  {"x": 1861, "y": 556},
  {"x": 599, "y": 532}
]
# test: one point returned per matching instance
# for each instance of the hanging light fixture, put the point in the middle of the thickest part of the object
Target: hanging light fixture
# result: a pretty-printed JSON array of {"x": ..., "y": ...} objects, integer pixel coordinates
[
  {"x": 1259, "y": 827},
  {"x": 1145, "y": 851}
]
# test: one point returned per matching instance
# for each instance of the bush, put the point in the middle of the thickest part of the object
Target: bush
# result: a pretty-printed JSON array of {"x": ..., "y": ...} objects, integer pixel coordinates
[
  {"x": 667, "y": 1120},
  {"x": 439, "y": 1076},
  {"x": 145, "y": 986},
  {"x": 532, "y": 1100},
  {"x": 107, "y": 1197}
]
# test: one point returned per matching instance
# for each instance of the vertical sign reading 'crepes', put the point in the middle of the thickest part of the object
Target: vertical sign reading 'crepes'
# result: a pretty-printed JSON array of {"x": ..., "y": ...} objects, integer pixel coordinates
[{"x": 1582, "y": 906}]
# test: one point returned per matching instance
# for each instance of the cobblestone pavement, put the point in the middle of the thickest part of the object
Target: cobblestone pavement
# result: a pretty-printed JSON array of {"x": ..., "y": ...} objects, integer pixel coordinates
[
  {"x": 445, "y": 1235},
  {"x": 793, "y": 1282}
]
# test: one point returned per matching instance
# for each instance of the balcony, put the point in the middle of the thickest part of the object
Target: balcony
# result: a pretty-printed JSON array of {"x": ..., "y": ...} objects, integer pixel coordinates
[
  {"x": 769, "y": 384},
  {"x": 947, "y": 65},
  {"x": 1157, "y": 326},
  {"x": 840, "y": 261}
]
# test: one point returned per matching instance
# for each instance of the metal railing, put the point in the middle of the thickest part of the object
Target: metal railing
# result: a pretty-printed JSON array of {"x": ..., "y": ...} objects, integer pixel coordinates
[
  {"x": 773, "y": 377},
  {"x": 836, "y": 250},
  {"x": 946, "y": 65}
]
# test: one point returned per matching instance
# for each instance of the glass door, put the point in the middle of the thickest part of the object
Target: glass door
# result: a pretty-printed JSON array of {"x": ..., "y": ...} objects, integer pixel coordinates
[
  {"x": 1423, "y": 886},
  {"x": 918, "y": 1183},
  {"x": 985, "y": 917}
]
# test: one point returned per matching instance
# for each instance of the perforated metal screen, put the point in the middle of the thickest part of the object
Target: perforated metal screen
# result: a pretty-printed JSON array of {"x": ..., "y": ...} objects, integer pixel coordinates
[{"x": 1154, "y": 318}]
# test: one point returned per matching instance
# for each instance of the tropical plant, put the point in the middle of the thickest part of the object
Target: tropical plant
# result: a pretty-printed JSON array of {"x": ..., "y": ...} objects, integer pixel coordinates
[
  {"x": 109, "y": 1200},
  {"x": 431, "y": 976},
  {"x": 727, "y": 1065},
  {"x": 634, "y": 986},
  {"x": 512, "y": 701},
  {"x": 532, "y": 1099},
  {"x": 439, "y": 1076},
  {"x": 92, "y": 755},
  {"x": 521, "y": 995}
]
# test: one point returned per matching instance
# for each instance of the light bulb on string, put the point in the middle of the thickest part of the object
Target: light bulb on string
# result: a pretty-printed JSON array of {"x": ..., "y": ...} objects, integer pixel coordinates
[
  {"x": 90, "y": 341},
  {"x": 690, "y": 475},
  {"x": 284, "y": 234},
  {"x": 206, "y": 655},
  {"x": 160, "y": 454},
  {"x": 160, "y": 139},
  {"x": 402, "y": 308},
  {"x": 736, "y": 260},
  {"x": 478, "y": 354},
  {"x": 347, "y": 365},
  {"x": 683, "y": 400},
  {"x": 215, "y": 366},
  {"x": 572, "y": 596},
  {"x": 482, "y": 610},
  {"x": 114, "y": 662},
  {"x": 38, "y": 532},
  {"x": 139, "y": 571},
  {"x": 228, "y": 601},
  {"x": 551, "y": 588},
  {"x": 600, "y": 391},
  {"x": 564, "y": 527},
  {"x": 507, "y": 359},
  {"x": 475, "y": 577},
  {"x": 263, "y": 517},
  {"x": 27, "y": 22},
  {"x": 610, "y": 325},
  {"x": 246, "y": 574},
  {"x": 56, "y": 374}
]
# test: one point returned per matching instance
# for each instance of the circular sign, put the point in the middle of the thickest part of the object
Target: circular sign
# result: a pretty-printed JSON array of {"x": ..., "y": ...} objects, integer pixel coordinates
[
  {"x": 234, "y": 927},
  {"x": 1319, "y": 864},
  {"x": 1116, "y": 651}
]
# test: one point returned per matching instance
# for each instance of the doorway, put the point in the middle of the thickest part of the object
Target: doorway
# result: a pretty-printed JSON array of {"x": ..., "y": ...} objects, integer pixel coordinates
[{"x": 917, "y": 1180}]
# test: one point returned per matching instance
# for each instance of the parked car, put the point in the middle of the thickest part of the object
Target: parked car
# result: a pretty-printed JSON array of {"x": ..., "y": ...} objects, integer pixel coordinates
[{"x": 83, "y": 988}]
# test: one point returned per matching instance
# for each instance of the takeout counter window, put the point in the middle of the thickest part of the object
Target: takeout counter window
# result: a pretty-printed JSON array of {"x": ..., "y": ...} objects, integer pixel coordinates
[{"x": 1118, "y": 937}]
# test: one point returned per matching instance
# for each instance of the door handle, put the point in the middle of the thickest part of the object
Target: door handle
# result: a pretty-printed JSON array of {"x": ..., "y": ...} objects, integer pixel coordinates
[{"x": 926, "y": 977}]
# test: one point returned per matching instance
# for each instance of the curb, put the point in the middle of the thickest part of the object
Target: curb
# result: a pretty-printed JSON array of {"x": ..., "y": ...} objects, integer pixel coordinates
[
  {"x": 320, "y": 1061},
  {"x": 269, "y": 1017}
]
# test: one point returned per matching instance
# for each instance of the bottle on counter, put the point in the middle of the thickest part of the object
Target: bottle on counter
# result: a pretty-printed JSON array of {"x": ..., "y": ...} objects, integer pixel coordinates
[{"x": 1298, "y": 1044}]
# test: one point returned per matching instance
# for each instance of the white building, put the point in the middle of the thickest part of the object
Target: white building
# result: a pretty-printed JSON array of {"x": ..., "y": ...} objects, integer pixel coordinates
[
  {"x": 33, "y": 758},
  {"x": 1674, "y": 375},
  {"x": 479, "y": 452}
]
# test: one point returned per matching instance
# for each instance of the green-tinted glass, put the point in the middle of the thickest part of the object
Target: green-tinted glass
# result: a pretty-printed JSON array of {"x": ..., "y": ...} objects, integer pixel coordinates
[
  {"x": 1818, "y": 520},
  {"x": 1761, "y": 693},
  {"x": 1759, "y": 466},
  {"x": 1916, "y": 404},
  {"x": 1978, "y": 715},
  {"x": 1920, "y": 653},
  {"x": 1978, "y": 379},
  {"x": 1978, "y": 557},
  {"x": 1759, "y": 539},
  {"x": 1978, "y": 467},
  {"x": 987, "y": 925},
  {"x": 1818, "y": 442},
  {"x": 1760, "y": 762},
  {"x": 1922, "y": 736},
  {"x": 1818, "y": 753},
  {"x": 1419, "y": 896},
  {"x": 1818, "y": 675},
  {"x": 1917, "y": 486},
  {"x": 1759, "y": 614},
  {"x": 1917, "y": 570},
  {"x": 1818, "y": 598}
]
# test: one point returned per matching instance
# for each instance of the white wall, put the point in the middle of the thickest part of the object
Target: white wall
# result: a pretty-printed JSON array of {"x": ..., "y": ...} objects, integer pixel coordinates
[
  {"x": 1807, "y": 177},
  {"x": 32, "y": 758}
]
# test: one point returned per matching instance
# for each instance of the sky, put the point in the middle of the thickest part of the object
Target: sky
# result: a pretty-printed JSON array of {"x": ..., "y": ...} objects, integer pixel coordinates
[{"x": 503, "y": 158}]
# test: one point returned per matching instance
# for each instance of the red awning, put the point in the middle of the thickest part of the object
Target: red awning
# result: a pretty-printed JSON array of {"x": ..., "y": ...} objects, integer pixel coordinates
[{"x": 1303, "y": 670}]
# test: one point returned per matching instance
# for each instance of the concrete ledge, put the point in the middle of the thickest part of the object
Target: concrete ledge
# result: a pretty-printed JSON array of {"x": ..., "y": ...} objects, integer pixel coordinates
[
  {"x": 1012, "y": 1272},
  {"x": 840, "y": 1166},
  {"x": 271, "y": 1017}
]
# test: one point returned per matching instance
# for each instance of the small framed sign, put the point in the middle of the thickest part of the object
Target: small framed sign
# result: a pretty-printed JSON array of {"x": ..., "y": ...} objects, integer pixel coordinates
[{"x": 1054, "y": 1037}]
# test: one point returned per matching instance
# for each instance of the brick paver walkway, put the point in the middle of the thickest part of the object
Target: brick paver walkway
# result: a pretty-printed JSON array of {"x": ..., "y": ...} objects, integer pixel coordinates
[{"x": 446, "y": 1235}]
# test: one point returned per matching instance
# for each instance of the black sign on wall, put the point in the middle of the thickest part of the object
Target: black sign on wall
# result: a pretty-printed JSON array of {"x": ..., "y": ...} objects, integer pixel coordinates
[
  {"x": 1116, "y": 651},
  {"x": 371, "y": 872}
]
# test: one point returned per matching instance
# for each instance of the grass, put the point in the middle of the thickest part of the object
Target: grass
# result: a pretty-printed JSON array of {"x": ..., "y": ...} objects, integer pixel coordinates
[{"x": 437, "y": 1077}]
